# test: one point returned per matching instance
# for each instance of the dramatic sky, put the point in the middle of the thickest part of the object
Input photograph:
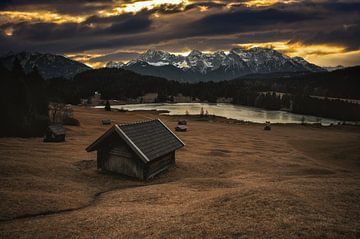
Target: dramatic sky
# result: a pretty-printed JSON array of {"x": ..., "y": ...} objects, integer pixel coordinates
[{"x": 325, "y": 32}]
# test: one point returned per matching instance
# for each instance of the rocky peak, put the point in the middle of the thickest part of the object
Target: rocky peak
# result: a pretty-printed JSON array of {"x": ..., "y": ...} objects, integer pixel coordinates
[
  {"x": 239, "y": 61},
  {"x": 195, "y": 53}
]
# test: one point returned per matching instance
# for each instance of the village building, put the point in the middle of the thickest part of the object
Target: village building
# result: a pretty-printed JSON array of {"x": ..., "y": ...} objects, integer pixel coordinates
[
  {"x": 148, "y": 98},
  {"x": 84, "y": 101},
  {"x": 55, "y": 133},
  {"x": 106, "y": 121},
  {"x": 180, "y": 98},
  {"x": 141, "y": 150},
  {"x": 96, "y": 99},
  {"x": 224, "y": 100}
]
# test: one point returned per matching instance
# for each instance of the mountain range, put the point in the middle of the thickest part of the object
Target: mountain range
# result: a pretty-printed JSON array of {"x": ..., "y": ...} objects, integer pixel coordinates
[
  {"x": 48, "y": 65},
  {"x": 198, "y": 66}
]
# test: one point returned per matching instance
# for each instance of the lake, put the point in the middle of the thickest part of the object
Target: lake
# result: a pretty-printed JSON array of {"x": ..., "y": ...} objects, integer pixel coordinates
[{"x": 231, "y": 111}]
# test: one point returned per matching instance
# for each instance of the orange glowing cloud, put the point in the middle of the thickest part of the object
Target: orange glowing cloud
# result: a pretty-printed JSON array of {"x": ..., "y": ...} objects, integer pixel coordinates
[
  {"x": 85, "y": 58},
  {"x": 138, "y": 6},
  {"x": 41, "y": 16},
  {"x": 320, "y": 54},
  {"x": 266, "y": 3},
  {"x": 116, "y": 9}
]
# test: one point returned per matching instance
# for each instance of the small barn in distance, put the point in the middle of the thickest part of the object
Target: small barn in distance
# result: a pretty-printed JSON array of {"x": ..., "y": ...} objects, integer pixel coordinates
[
  {"x": 141, "y": 150},
  {"x": 55, "y": 133}
]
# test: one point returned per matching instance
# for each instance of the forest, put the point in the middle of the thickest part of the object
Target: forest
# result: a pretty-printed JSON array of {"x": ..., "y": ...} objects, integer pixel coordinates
[
  {"x": 25, "y": 97},
  {"x": 257, "y": 90},
  {"x": 23, "y": 101}
]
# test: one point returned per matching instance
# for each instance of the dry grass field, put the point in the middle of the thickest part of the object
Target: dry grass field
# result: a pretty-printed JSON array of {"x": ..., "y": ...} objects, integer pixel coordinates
[{"x": 232, "y": 180}]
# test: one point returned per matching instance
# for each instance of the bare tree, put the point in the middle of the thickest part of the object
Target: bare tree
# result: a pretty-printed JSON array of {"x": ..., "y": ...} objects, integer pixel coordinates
[{"x": 59, "y": 111}]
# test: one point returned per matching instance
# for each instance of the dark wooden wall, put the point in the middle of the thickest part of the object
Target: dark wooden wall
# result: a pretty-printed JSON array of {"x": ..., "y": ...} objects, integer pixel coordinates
[
  {"x": 119, "y": 158},
  {"x": 160, "y": 164}
]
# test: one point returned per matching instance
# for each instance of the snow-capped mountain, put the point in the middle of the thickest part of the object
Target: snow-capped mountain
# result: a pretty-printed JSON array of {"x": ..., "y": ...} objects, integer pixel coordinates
[
  {"x": 114, "y": 64},
  {"x": 49, "y": 65},
  {"x": 217, "y": 66}
]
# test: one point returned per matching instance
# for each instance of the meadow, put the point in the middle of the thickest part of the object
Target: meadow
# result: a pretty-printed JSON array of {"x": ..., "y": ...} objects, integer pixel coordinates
[{"x": 232, "y": 180}]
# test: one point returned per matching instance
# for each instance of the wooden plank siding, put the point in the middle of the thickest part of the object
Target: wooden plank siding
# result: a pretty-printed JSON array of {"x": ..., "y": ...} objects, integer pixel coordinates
[
  {"x": 160, "y": 164},
  {"x": 120, "y": 159}
]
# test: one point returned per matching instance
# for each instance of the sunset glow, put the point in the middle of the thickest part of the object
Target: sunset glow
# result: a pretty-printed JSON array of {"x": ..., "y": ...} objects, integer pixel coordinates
[
  {"x": 259, "y": 3},
  {"x": 315, "y": 53},
  {"x": 139, "y": 6},
  {"x": 297, "y": 49},
  {"x": 325, "y": 33},
  {"x": 41, "y": 16}
]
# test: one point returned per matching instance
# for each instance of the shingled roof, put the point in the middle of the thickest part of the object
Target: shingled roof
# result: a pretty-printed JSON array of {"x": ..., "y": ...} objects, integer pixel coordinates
[
  {"x": 148, "y": 139},
  {"x": 57, "y": 129}
]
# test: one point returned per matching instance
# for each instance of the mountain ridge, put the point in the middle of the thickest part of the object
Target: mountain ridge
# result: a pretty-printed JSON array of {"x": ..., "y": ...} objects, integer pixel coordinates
[
  {"x": 217, "y": 66},
  {"x": 49, "y": 65}
]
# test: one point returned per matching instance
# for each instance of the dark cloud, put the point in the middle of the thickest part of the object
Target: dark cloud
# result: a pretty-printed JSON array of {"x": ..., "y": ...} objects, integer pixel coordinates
[
  {"x": 121, "y": 24},
  {"x": 98, "y": 19},
  {"x": 132, "y": 25},
  {"x": 41, "y": 32},
  {"x": 247, "y": 20},
  {"x": 349, "y": 36},
  {"x": 125, "y": 24},
  {"x": 180, "y": 26},
  {"x": 343, "y": 6},
  {"x": 60, "y": 6}
]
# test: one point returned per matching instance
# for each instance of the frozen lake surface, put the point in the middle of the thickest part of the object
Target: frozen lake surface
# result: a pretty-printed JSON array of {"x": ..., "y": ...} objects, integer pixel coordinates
[{"x": 231, "y": 111}]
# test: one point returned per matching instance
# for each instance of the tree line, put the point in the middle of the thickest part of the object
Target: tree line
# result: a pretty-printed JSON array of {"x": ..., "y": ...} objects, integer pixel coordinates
[
  {"x": 23, "y": 102},
  {"x": 25, "y": 97},
  {"x": 296, "y": 91}
]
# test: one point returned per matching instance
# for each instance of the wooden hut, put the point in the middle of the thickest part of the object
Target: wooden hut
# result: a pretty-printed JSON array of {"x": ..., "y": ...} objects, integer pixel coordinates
[
  {"x": 55, "y": 133},
  {"x": 267, "y": 125},
  {"x": 141, "y": 150},
  {"x": 106, "y": 121},
  {"x": 182, "y": 126}
]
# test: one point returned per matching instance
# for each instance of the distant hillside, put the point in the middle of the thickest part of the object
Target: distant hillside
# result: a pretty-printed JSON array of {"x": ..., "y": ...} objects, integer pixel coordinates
[
  {"x": 343, "y": 83},
  {"x": 48, "y": 65},
  {"x": 119, "y": 83},
  {"x": 116, "y": 83}
]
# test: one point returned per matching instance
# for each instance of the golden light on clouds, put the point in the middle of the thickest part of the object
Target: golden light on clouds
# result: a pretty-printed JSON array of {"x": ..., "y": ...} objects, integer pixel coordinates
[
  {"x": 41, "y": 16},
  {"x": 297, "y": 48},
  {"x": 117, "y": 8},
  {"x": 320, "y": 54},
  {"x": 139, "y": 6},
  {"x": 203, "y": 8},
  {"x": 350, "y": 58},
  {"x": 265, "y": 3},
  {"x": 9, "y": 32},
  {"x": 85, "y": 58},
  {"x": 171, "y": 18}
]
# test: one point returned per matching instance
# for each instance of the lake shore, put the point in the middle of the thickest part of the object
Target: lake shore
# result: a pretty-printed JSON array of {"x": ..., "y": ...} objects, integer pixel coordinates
[
  {"x": 232, "y": 180},
  {"x": 231, "y": 111}
]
